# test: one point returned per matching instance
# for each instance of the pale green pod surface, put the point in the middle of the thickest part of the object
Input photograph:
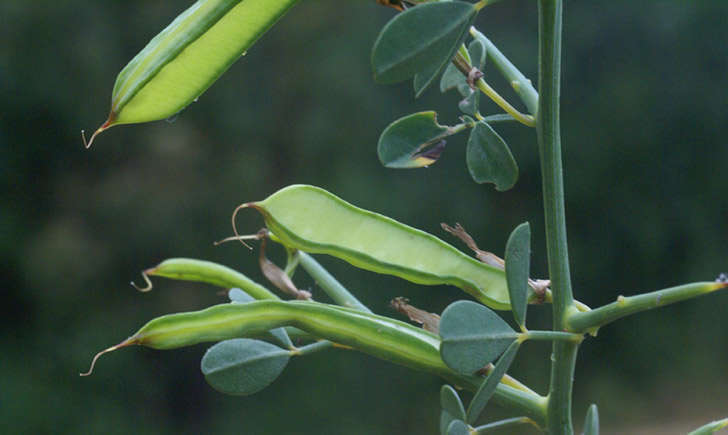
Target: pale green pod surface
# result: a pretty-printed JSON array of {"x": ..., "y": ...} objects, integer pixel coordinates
[
  {"x": 190, "y": 269},
  {"x": 379, "y": 336},
  {"x": 183, "y": 60},
  {"x": 711, "y": 427},
  {"x": 313, "y": 220}
]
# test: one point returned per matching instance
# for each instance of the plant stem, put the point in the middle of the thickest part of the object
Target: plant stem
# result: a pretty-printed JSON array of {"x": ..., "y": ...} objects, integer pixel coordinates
[
  {"x": 523, "y": 86},
  {"x": 624, "y": 306},
  {"x": 558, "y": 419},
  {"x": 312, "y": 348},
  {"x": 331, "y": 285},
  {"x": 462, "y": 64},
  {"x": 551, "y": 336},
  {"x": 563, "y": 361},
  {"x": 549, "y": 141},
  {"x": 485, "y": 88}
]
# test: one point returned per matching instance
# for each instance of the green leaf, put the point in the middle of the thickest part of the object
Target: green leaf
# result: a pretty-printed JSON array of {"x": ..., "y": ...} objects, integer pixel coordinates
[
  {"x": 518, "y": 260},
  {"x": 489, "y": 159},
  {"x": 487, "y": 388},
  {"x": 477, "y": 52},
  {"x": 445, "y": 419},
  {"x": 419, "y": 37},
  {"x": 470, "y": 104},
  {"x": 238, "y": 296},
  {"x": 452, "y": 77},
  {"x": 452, "y": 408},
  {"x": 424, "y": 78},
  {"x": 450, "y": 402},
  {"x": 242, "y": 366},
  {"x": 501, "y": 424},
  {"x": 413, "y": 141},
  {"x": 591, "y": 423},
  {"x": 472, "y": 336},
  {"x": 458, "y": 427},
  {"x": 185, "y": 58}
]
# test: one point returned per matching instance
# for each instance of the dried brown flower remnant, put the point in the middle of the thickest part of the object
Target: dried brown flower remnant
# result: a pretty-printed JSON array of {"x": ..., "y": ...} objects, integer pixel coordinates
[
  {"x": 275, "y": 274},
  {"x": 429, "y": 321}
]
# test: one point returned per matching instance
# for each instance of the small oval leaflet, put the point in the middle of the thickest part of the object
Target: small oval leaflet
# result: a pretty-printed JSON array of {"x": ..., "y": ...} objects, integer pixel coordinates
[
  {"x": 450, "y": 402},
  {"x": 412, "y": 141},
  {"x": 472, "y": 336},
  {"x": 487, "y": 388},
  {"x": 243, "y": 366},
  {"x": 518, "y": 259},
  {"x": 489, "y": 159},
  {"x": 458, "y": 427},
  {"x": 238, "y": 296},
  {"x": 422, "y": 38},
  {"x": 452, "y": 407},
  {"x": 470, "y": 104}
]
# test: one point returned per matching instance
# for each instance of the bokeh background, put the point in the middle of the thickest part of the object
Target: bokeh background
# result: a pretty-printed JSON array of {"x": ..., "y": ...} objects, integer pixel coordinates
[{"x": 644, "y": 109}]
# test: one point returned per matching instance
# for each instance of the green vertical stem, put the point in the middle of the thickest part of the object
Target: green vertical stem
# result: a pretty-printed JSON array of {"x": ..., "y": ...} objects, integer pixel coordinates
[
  {"x": 549, "y": 142},
  {"x": 558, "y": 412}
]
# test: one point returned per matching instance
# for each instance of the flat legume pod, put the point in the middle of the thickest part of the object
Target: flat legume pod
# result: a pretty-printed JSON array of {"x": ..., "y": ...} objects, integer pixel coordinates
[
  {"x": 313, "y": 220},
  {"x": 185, "y": 58}
]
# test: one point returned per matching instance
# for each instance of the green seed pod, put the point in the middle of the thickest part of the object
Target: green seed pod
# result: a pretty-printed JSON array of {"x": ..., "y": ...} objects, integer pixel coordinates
[
  {"x": 189, "y": 269},
  {"x": 313, "y": 220},
  {"x": 185, "y": 58},
  {"x": 379, "y": 336}
]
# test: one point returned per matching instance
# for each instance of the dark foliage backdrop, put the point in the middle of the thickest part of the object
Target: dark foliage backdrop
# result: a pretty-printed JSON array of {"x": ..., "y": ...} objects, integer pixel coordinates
[{"x": 644, "y": 108}]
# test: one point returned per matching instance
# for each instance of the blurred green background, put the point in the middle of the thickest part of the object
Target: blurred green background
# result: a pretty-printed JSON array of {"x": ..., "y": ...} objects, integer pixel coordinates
[{"x": 644, "y": 109}]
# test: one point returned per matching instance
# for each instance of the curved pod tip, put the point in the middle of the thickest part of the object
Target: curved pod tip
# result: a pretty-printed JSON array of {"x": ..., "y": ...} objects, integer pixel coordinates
[
  {"x": 128, "y": 342},
  {"x": 105, "y": 126},
  {"x": 147, "y": 281},
  {"x": 237, "y": 235}
]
